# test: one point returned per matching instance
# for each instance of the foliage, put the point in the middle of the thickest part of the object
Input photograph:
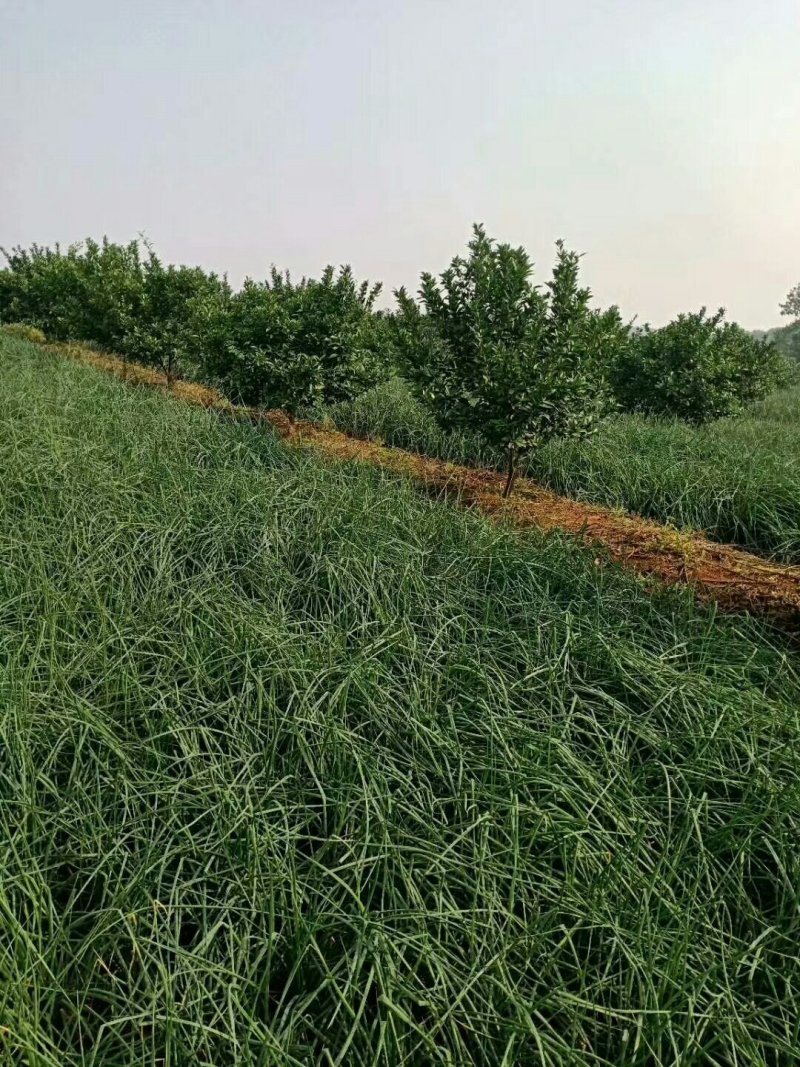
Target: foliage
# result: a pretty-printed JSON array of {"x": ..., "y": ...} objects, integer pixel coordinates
[
  {"x": 486, "y": 350},
  {"x": 787, "y": 341},
  {"x": 379, "y": 340},
  {"x": 299, "y": 768},
  {"x": 275, "y": 343},
  {"x": 494, "y": 355},
  {"x": 605, "y": 338},
  {"x": 111, "y": 296},
  {"x": 787, "y": 338},
  {"x": 696, "y": 368},
  {"x": 283, "y": 344},
  {"x": 791, "y": 306},
  {"x": 88, "y": 292},
  {"x": 23, "y": 331},
  {"x": 165, "y": 329},
  {"x": 737, "y": 479},
  {"x": 790, "y": 343}
]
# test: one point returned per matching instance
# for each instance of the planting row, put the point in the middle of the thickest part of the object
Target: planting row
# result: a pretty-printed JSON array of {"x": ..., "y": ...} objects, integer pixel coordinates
[{"x": 483, "y": 347}]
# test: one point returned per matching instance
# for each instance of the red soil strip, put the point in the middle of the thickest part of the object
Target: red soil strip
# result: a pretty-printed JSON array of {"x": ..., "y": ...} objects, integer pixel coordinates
[{"x": 736, "y": 580}]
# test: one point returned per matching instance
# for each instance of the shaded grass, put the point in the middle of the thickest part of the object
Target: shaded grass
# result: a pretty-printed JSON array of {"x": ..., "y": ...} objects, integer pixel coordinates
[
  {"x": 737, "y": 479},
  {"x": 298, "y": 767}
]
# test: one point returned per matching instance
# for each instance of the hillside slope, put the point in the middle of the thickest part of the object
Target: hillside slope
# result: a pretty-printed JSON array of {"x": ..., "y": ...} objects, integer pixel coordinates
[{"x": 299, "y": 767}]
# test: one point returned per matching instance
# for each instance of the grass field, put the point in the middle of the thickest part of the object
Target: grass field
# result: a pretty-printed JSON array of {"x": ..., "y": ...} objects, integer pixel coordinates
[
  {"x": 300, "y": 767},
  {"x": 737, "y": 479}
]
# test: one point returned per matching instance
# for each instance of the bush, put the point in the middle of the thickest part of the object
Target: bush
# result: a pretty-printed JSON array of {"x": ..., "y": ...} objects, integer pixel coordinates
[
  {"x": 24, "y": 332},
  {"x": 108, "y": 295},
  {"x": 165, "y": 331},
  {"x": 280, "y": 344},
  {"x": 275, "y": 343},
  {"x": 494, "y": 355},
  {"x": 697, "y": 368},
  {"x": 87, "y": 293}
]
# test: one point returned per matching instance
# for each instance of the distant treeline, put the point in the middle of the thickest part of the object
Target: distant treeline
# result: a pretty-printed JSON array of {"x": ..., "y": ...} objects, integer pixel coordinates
[{"x": 785, "y": 338}]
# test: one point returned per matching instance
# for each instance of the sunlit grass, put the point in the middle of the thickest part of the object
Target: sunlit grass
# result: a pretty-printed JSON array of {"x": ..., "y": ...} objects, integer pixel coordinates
[
  {"x": 737, "y": 479},
  {"x": 299, "y": 767}
]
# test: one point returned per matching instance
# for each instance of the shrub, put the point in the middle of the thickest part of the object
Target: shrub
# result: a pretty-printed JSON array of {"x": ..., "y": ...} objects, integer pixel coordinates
[
  {"x": 378, "y": 340},
  {"x": 24, "y": 332},
  {"x": 605, "y": 338},
  {"x": 697, "y": 368},
  {"x": 280, "y": 344},
  {"x": 86, "y": 293},
  {"x": 165, "y": 330},
  {"x": 494, "y": 355}
]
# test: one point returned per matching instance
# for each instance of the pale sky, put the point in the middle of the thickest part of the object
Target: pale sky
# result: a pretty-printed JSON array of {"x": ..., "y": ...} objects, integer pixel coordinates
[{"x": 660, "y": 137}]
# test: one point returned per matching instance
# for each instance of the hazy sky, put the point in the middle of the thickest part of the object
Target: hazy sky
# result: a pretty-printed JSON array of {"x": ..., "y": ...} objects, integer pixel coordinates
[{"x": 660, "y": 137}]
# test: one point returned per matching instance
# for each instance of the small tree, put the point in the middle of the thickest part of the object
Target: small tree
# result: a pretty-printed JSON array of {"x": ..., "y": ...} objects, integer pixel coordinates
[
  {"x": 697, "y": 368},
  {"x": 788, "y": 338},
  {"x": 163, "y": 331},
  {"x": 290, "y": 345},
  {"x": 85, "y": 293},
  {"x": 791, "y": 306},
  {"x": 493, "y": 354}
]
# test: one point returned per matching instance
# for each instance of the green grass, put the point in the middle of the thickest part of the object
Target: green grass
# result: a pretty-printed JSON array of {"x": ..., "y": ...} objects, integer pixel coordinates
[
  {"x": 737, "y": 479},
  {"x": 299, "y": 767}
]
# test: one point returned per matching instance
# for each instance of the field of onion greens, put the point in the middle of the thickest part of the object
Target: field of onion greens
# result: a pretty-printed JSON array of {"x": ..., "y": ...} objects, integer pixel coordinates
[
  {"x": 300, "y": 767},
  {"x": 737, "y": 479}
]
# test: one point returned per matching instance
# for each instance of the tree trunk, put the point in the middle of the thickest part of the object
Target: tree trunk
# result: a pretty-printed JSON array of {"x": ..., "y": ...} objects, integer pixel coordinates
[{"x": 512, "y": 473}]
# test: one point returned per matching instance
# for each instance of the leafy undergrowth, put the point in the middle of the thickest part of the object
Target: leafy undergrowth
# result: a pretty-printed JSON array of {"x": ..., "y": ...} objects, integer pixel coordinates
[
  {"x": 298, "y": 767},
  {"x": 737, "y": 479}
]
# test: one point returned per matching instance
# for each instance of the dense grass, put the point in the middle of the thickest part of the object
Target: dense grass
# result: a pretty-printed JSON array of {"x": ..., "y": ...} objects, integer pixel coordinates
[
  {"x": 298, "y": 767},
  {"x": 737, "y": 479}
]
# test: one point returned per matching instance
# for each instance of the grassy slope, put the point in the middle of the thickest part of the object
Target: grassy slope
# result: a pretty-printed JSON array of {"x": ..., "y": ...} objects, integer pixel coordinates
[
  {"x": 299, "y": 767},
  {"x": 738, "y": 479}
]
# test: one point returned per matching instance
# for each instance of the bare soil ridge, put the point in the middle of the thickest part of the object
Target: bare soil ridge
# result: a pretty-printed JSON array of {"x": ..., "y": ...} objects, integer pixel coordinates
[{"x": 734, "y": 579}]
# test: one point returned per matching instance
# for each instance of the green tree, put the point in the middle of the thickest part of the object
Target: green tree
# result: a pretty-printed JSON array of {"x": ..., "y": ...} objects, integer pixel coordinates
[
  {"x": 697, "y": 368},
  {"x": 791, "y": 306},
  {"x": 290, "y": 345},
  {"x": 109, "y": 295},
  {"x": 486, "y": 350},
  {"x": 165, "y": 330},
  {"x": 788, "y": 338},
  {"x": 85, "y": 293}
]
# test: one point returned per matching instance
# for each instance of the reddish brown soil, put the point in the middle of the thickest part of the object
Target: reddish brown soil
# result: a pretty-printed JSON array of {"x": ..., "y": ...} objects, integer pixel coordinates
[{"x": 736, "y": 580}]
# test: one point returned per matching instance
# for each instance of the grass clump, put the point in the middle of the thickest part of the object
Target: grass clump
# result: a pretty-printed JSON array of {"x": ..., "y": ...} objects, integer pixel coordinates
[
  {"x": 737, "y": 479},
  {"x": 24, "y": 331},
  {"x": 298, "y": 767}
]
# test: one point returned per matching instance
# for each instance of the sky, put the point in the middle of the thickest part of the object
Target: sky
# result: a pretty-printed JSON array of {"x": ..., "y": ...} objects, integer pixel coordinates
[{"x": 659, "y": 137}]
